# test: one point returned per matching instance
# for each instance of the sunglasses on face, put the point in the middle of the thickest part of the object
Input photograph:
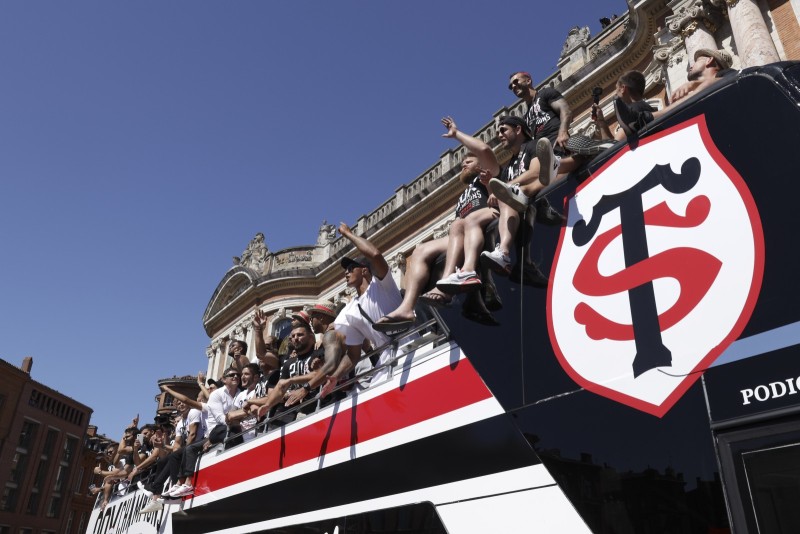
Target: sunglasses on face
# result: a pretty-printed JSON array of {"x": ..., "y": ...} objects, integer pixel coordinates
[
  {"x": 232, "y": 375},
  {"x": 514, "y": 83}
]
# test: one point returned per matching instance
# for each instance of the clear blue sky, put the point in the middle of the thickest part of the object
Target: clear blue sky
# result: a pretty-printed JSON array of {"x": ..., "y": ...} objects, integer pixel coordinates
[{"x": 143, "y": 144}]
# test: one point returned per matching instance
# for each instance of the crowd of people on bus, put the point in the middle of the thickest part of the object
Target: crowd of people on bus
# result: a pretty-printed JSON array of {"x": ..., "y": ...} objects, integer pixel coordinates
[{"x": 327, "y": 346}]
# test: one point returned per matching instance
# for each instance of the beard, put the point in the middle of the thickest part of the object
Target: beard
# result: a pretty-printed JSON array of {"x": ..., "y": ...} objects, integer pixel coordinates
[{"x": 467, "y": 175}]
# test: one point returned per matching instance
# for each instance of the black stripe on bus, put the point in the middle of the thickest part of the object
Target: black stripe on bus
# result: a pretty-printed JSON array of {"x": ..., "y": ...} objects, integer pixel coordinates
[{"x": 482, "y": 448}]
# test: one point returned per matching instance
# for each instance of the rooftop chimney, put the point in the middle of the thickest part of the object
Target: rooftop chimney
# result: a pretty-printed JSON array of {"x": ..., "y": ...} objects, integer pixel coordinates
[{"x": 27, "y": 363}]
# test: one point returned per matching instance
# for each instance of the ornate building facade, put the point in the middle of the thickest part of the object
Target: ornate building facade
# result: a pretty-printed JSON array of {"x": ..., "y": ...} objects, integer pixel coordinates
[{"x": 657, "y": 37}]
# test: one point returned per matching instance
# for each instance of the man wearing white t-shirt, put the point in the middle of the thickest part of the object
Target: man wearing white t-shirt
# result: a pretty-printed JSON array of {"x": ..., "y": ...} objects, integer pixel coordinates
[
  {"x": 377, "y": 295},
  {"x": 219, "y": 403},
  {"x": 245, "y": 421}
]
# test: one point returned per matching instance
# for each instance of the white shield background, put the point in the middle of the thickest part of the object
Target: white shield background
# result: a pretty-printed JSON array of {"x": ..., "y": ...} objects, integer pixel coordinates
[{"x": 731, "y": 233}]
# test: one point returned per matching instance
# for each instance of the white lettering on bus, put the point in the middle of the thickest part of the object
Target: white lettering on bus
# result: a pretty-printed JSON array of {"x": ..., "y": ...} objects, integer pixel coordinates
[{"x": 773, "y": 390}]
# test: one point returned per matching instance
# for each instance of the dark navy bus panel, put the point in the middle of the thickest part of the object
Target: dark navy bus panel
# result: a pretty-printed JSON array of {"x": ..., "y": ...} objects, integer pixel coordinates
[{"x": 657, "y": 377}]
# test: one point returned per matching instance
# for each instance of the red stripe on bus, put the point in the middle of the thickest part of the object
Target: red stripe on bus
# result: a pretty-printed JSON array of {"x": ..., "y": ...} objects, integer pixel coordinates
[{"x": 435, "y": 394}]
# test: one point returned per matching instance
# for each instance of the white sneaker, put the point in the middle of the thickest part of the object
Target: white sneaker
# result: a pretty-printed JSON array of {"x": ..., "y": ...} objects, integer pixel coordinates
[
  {"x": 459, "y": 282},
  {"x": 496, "y": 261},
  {"x": 122, "y": 488},
  {"x": 143, "y": 489},
  {"x": 153, "y": 506},
  {"x": 548, "y": 163},
  {"x": 508, "y": 194},
  {"x": 172, "y": 489},
  {"x": 182, "y": 491}
]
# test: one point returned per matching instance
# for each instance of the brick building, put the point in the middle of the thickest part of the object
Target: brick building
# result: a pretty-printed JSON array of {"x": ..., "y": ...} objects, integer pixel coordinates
[{"x": 41, "y": 442}]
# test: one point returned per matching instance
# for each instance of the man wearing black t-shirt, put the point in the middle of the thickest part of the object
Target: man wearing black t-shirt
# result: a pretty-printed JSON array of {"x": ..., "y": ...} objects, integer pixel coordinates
[
  {"x": 548, "y": 117},
  {"x": 548, "y": 114},
  {"x": 630, "y": 89},
  {"x": 302, "y": 362},
  {"x": 515, "y": 136}
]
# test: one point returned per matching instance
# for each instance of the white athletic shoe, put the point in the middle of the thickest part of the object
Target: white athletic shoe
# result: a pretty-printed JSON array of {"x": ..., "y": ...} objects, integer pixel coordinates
[
  {"x": 153, "y": 506},
  {"x": 143, "y": 489},
  {"x": 459, "y": 282},
  {"x": 496, "y": 261},
  {"x": 182, "y": 491},
  {"x": 508, "y": 194}
]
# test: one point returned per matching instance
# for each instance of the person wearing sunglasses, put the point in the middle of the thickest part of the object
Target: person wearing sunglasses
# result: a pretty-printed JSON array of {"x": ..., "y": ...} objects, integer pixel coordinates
[{"x": 220, "y": 402}]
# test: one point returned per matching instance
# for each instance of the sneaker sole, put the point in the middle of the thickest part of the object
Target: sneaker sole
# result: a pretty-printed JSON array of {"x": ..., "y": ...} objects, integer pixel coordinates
[
  {"x": 544, "y": 153},
  {"x": 473, "y": 284},
  {"x": 489, "y": 263},
  {"x": 505, "y": 197}
]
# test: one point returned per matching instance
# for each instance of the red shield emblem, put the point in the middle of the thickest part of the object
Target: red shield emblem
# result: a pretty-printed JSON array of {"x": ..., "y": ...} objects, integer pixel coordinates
[{"x": 657, "y": 270}]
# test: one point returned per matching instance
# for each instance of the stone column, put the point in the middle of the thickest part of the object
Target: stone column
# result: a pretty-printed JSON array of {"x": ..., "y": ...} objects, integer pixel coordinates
[
  {"x": 753, "y": 41},
  {"x": 215, "y": 368},
  {"x": 210, "y": 365},
  {"x": 695, "y": 21},
  {"x": 697, "y": 38}
]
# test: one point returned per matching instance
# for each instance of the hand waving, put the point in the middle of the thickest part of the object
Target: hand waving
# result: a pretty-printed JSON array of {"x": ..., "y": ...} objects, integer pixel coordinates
[{"x": 450, "y": 124}]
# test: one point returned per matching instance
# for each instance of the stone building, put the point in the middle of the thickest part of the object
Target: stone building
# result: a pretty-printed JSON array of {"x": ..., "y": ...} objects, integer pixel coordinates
[
  {"x": 186, "y": 385},
  {"x": 41, "y": 441},
  {"x": 657, "y": 37}
]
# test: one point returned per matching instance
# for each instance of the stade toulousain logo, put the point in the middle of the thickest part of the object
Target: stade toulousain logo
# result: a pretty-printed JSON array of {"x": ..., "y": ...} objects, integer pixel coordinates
[{"x": 657, "y": 271}]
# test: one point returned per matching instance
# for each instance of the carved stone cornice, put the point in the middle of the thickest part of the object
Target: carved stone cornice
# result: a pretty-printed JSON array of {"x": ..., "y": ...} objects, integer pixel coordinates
[
  {"x": 689, "y": 15},
  {"x": 600, "y": 49}
]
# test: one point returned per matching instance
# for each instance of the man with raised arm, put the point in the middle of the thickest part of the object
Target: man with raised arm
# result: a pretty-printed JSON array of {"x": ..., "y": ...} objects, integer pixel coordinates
[
  {"x": 296, "y": 371},
  {"x": 474, "y": 210},
  {"x": 377, "y": 295},
  {"x": 266, "y": 351},
  {"x": 149, "y": 451},
  {"x": 237, "y": 350}
]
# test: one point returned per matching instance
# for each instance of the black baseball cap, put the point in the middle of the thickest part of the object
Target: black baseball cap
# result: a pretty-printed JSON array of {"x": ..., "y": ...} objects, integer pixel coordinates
[
  {"x": 358, "y": 261},
  {"x": 511, "y": 120}
]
